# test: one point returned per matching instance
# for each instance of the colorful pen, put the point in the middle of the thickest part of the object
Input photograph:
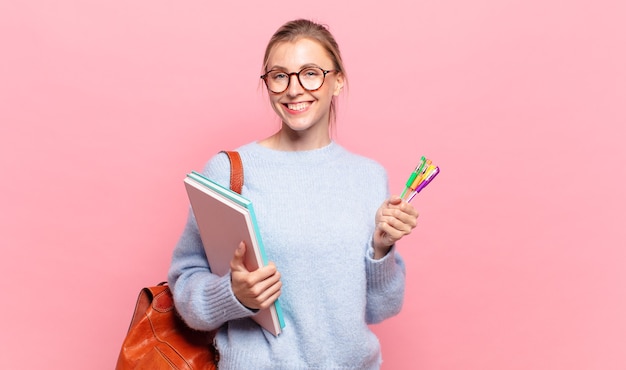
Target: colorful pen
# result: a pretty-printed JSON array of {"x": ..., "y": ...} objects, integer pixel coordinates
[
  {"x": 420, "y": 177},
  {"x": 428, "y": 179},
  {"x": 414, "y": 174},
  {"x": 423, "y": 175}
]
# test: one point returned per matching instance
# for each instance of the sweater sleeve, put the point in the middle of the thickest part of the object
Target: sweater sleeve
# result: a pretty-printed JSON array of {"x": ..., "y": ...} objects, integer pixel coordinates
[
  {"x": 204, "y": 300},
  {"x": 385, "y": 285},
  {"x": 385, "y": 276}
]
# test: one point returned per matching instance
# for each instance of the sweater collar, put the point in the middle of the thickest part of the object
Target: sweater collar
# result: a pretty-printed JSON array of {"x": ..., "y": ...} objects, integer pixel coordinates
[{"x": 324, "y": 154}]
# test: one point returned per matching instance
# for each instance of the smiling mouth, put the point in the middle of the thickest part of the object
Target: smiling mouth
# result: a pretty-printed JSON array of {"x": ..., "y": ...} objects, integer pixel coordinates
[{"x": 298, "y": 106}]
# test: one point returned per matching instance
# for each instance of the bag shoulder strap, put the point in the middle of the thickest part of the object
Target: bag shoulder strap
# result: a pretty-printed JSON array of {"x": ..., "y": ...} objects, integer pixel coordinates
[
  {"x": 146, "y": 297},
  {"x": 236, "y": 170}
]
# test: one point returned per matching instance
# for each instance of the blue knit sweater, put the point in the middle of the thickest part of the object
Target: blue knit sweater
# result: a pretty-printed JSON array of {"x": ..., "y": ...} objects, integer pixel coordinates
[{"x": 316, "y": 212}]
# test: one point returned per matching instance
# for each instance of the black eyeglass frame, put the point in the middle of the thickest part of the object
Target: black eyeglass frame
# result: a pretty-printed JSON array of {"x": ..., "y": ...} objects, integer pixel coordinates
[{"x": 324, "y": 71}]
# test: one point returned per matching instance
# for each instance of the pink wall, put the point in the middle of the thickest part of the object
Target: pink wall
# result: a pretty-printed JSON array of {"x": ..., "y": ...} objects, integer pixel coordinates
[{"x": 518, "y": 262}]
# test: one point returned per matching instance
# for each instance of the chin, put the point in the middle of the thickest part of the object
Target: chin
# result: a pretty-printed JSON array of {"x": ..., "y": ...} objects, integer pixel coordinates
[
  {"x": 298, "y": 128},
  {"x": 298, "y": 124}
]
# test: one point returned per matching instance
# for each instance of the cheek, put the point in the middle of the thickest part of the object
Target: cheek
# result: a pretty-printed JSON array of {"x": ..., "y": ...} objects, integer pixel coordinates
[
  {"x": 274, "y": 102},
  {"x": 328, "y": 94},
  {"x": 333, "y": 89}
]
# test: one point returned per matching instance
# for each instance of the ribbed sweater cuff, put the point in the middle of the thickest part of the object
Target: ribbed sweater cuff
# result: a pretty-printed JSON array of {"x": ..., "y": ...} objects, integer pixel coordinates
[
  {"x": 381, "y": 272},
  {"x": 220, "y": 301}
]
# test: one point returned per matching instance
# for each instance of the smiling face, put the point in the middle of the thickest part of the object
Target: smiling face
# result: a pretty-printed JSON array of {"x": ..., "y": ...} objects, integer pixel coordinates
[{"x": 304, "y": 113}]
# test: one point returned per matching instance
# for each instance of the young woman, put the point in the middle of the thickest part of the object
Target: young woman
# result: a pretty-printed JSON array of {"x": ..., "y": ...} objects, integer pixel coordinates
[{"x": 327, "y": 222}]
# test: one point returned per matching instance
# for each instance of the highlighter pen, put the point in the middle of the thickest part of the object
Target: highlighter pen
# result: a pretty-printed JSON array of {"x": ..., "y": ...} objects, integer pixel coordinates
[
  {"x": 413, "y": 176},
  {"x": 409, "y": 182},
  {"x": 428, "y": 180},
  {"x": 427, "y": 174},
  {"x": 424, "y": 183},
  {"x": 420, "y": 177}
]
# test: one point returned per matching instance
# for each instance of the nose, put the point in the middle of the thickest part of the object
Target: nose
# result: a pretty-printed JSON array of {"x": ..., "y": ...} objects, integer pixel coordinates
[{"x": 294, "y": 88}]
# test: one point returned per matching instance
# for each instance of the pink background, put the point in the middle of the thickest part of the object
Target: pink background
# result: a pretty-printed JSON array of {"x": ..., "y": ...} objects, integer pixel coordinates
[{"x": 519, "y": 258}]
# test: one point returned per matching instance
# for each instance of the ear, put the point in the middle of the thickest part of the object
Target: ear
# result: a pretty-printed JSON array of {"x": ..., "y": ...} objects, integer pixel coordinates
[{"x": 339, "y": 82}]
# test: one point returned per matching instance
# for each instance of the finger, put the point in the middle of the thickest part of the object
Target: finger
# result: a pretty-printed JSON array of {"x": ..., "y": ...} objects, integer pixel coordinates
[
  {"x": 394, "y": 200},
  {"x": 269, "y": 295},
  {"x": 237, "y": 263},
  {"x": 270, "y": 300},
  {"x": 395, "y": 228},
  {"x": 263, "y": 278},
  {"x": 258, "y": 279},
  {"x": 399, "y": 220},
  {"x": 409, "y": 209},
  {"x": 389, "y": 230},
  {"x": 402, "y": 206},
  {"x": 405, "y": 212},
  {"x": 390, "y": 235},
  {"x": 253, "y": 293}
]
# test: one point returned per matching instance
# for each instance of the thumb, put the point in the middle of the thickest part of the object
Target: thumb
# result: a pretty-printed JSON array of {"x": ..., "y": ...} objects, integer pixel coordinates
[
  {"x": 395, "y": 200},
  {"x": 237, "y": 263}
]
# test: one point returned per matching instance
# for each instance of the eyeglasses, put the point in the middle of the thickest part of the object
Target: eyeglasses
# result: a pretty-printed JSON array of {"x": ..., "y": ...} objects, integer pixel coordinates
[{"x": 310, "y": 78}]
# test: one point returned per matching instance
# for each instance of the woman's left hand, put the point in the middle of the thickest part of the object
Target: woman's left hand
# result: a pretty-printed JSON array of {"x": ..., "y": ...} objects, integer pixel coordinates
[{"x": 394, "y": 219}]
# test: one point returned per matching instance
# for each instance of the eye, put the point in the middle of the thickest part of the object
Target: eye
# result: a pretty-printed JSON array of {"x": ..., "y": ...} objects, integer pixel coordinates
[
  {"x": 311, "y": 73},
  {"x": 277, "y": 76}
]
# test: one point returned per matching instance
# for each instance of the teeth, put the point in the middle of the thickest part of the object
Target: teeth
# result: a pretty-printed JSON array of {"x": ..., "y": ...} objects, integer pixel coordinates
[{"x": 299, "y": 106}]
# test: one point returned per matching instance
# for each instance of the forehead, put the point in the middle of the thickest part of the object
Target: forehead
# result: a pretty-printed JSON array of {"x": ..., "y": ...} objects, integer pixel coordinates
[{"x": 293, "y": 55}]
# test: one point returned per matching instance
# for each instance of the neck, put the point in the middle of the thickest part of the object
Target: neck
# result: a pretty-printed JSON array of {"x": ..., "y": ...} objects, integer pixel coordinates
[{"x": 289, "y": 140}]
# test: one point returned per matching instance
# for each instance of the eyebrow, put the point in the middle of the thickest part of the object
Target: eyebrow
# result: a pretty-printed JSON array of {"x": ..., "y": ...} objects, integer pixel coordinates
[{"x": 308, "y": 65}]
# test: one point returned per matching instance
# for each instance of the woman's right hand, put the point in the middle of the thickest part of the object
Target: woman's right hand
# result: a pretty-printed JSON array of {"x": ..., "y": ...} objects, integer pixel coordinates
[{"x": 254, "y": 289}]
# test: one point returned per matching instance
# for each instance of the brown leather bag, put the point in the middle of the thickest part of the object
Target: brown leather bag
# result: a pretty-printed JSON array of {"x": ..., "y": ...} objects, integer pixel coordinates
[{"x": 157, "y": 338}]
